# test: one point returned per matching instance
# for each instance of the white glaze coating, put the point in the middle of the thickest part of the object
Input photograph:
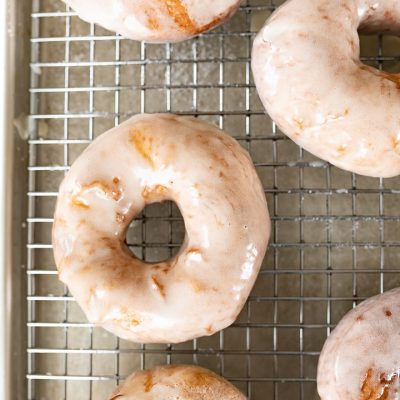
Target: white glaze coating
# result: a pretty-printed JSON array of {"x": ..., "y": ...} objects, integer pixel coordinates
[
  {"x": 310, "y": 79},
  {"x": 360, "y": 359},
  {"x": 156, "y": 20},
  {"x": 172, "y": 382},
  {"x": 151, "y": 158}
]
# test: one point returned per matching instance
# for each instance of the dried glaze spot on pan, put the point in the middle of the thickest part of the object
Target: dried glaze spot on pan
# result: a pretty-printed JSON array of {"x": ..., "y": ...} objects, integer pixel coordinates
[
  {"x": 209, "y": 329},
  {"x": 158, "y": 285},
  {"x": 377, "y": 388},
  {"x": 143, "y": 145}
]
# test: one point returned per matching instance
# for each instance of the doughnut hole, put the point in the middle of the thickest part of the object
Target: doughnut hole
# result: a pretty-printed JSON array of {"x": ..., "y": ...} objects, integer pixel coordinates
[
  {"x": 157, "y": 233},
  {"x": 381, "y": 52}
]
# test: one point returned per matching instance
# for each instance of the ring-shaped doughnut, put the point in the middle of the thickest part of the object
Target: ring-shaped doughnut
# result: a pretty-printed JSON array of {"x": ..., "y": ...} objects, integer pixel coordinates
[
  {"x": 310, "y": 79},
  {"x": 147, "y": 159},
  {"x": 172, "y": 382},
  {"x": 359, "y": 360},
  {"x": 156, "y": 20}
]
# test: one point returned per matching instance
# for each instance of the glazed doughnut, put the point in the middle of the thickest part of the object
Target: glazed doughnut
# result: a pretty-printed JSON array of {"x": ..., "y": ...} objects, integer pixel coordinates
[
  {"x": 156, "y": 20},
  {"x": 147, "y": 159},
  {"x": 310, "y": 79},
  {"x": 360, "y": 359},
  {"x": 171, "y": 382}
]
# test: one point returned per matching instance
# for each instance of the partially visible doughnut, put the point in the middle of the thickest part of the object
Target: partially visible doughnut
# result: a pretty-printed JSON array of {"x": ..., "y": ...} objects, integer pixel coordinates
[
  {"x": 156, "y": 20},
  {"x": 360, "y": 359},
  {"x": 172, "y": 382},
  {"x": 310, "y": 79},
  {"x": 148, "y": 159}
]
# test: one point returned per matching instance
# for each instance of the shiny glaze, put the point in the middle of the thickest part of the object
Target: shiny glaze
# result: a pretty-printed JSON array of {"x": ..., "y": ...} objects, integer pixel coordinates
[
  {"x": 147, "y": 159},
  {"x": 310, "y": 79},
  {"x": 360, "y": 359},
  {"x": 156, "y": 20},
  {"x": 171, "y": 382}
]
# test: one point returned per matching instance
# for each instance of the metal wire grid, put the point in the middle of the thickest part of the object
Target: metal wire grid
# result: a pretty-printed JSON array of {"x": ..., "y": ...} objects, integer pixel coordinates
[{"x": 334, "y": 239}]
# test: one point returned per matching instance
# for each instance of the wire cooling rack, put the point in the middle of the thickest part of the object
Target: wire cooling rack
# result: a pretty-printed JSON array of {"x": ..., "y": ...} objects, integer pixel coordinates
[{"x": 335, "y": 236}]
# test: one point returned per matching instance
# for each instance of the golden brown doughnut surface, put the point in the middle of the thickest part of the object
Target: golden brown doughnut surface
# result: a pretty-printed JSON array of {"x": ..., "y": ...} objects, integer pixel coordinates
[{"x": 172, "y": 382}]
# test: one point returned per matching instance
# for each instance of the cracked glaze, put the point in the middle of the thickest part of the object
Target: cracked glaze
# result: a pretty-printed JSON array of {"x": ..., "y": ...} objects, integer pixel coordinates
[
  {"x": 147, "y": 159},
  {"x": 171, "y": 382},
  {"x": 156, "y": 20},
  {"x": 360, "y": 359},
  {"x": 311, "y": 81}
]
